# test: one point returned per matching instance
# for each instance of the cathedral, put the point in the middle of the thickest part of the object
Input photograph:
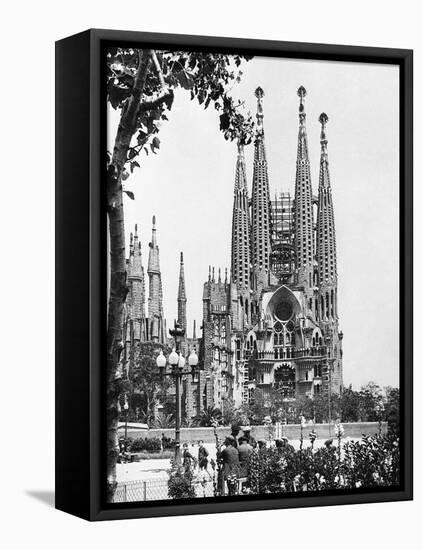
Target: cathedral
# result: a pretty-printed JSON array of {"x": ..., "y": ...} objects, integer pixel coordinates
[{"x": 271, "y": 325}]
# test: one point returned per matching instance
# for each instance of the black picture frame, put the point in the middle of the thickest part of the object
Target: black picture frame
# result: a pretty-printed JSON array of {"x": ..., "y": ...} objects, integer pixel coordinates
[{"x": 81, "y": 268}]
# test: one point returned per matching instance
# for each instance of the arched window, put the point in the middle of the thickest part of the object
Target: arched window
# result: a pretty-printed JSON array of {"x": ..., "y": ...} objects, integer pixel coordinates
[{"x": 216, "y": 327}]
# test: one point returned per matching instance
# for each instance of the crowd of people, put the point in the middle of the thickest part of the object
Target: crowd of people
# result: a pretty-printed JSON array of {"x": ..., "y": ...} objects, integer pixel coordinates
[{"x": 233, "y": 457}]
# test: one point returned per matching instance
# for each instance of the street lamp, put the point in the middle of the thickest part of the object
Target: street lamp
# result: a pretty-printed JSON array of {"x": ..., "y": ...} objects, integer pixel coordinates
[
  {"x": 176, "y": 362},
  {"x": 126, "y": 408},
  {"x": 193, "y": 363}
]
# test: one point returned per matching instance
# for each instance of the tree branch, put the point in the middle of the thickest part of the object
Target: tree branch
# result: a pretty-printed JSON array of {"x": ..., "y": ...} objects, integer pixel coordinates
[
  {"x": 158, "y": 68},
  {"x": 148, "y": 105}
]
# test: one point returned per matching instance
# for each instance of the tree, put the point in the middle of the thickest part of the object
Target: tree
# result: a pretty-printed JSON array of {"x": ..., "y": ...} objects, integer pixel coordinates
[
  {"x": 392, "y": 410},
  {"x": 208, "y": 417},
  {"x": 370, "y": 398},
  {"x": 145, "y": 380},
  {"x": 164, "y": 421},
  {"x": 350, "y": 405},
  {"x": 141, "y": 84}
]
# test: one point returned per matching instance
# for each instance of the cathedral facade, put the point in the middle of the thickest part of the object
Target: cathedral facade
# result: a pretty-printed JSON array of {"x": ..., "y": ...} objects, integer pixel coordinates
[{"x": 272, "y": 326}]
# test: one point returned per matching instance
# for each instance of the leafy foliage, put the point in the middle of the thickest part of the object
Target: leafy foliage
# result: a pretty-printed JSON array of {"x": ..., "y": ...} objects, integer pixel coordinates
[
  {"x": 209, "y": 78},
  {"x": 164, "y": 421},
  {"x": 146, "y": 383},
  {"x": 180, "y": 484},
  {"x": 370, "y": 404},
  {"x": 371, "y": 462},
  {"x": 208, "y": 417},
  {"x": 151, "y": 445}
]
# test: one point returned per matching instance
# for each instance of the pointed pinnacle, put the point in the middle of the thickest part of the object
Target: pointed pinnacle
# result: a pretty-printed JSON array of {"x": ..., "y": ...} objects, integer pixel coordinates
[
  {"x": 323, "y": 119},
  {"x": 301, "y": 92},
  {"x": 259, "y": 95}
]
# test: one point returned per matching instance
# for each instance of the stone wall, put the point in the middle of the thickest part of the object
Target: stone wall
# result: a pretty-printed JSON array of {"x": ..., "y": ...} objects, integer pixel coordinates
[{"x": 291, "y": 431}]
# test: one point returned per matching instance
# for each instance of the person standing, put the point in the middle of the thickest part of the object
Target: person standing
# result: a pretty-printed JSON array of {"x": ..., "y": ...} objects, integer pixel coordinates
[
  {"x": 188, "y": 461},
  {"x": 203, "y": 454},
  {"x": 229, "y": 458},
  {"x": 244, "y": 452},
  {"x": 235, "y": 429},
  {"x": 247, "y": 435}
]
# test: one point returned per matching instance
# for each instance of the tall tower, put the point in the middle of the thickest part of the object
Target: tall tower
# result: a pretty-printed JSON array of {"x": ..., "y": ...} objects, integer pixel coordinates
[
  {"x": 260, "y": 218},
  {"x": 155, "y": 291},
  {"x": 136, "y": 283},
  {"x": 182, "y": 298},
  {"x": 240, "y": 265},
  {"x": 327, "y": 270},
  {"x": 303, "y": 204},
  {"x": 326, "y": 240}
]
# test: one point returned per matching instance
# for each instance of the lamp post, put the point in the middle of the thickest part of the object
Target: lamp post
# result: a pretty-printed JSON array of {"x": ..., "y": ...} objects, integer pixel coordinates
[
  {"x": 177, "y": 362},
  {"x": 126, "y": 408}
]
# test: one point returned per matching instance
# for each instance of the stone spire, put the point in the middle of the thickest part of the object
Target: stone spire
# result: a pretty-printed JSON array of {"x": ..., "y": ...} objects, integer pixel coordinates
[
  {"x": 260, "y": 219},
  {"x": 304, "y": 240},
  {"x": 240, "y": 254},
  {"x": 136, "y": 284},
  {"x": 155, "y": 294},
  {"x": 182, "y": 298},
  {"x": 326, "y": 240}
]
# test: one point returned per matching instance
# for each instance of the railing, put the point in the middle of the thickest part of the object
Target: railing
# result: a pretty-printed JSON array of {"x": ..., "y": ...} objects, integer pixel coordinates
[
  {"x": 155, "y": 489},
  {"x": 287, "y": 353}
]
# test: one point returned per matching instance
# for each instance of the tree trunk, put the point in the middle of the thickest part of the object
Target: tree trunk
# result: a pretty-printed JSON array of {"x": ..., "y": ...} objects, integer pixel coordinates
[{"x": 118, "y": 288}]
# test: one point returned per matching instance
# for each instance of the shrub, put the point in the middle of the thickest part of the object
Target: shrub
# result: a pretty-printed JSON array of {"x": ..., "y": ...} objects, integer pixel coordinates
[
  {"x": 373, "y": 461},
  {"x": 152, "y": 445},
  {"x": 180, "y": 484},
  {"x": 168, "y": 443}
]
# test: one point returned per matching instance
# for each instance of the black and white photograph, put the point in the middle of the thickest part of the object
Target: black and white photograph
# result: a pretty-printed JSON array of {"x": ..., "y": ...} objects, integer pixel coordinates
[
  {"x": 253, "y": 276},
  {"x": 210, "y": 241}
]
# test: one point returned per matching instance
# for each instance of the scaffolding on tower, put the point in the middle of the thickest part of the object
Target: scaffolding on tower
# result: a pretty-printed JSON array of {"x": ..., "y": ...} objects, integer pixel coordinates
[{"x": 282, "y": 258}]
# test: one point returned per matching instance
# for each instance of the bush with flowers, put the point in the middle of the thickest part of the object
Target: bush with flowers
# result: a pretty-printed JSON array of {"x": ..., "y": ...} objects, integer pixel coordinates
[
  {"x": 371, "y": 462},
  {"x": 180, "y": 483}
]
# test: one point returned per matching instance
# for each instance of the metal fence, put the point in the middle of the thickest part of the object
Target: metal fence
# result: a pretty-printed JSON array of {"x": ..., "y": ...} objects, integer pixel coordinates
[{"x": 155, "y": 489}]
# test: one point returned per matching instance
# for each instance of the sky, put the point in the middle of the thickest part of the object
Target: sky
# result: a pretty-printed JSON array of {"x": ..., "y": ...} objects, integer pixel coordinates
[{"x": 189, "y": 184}]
